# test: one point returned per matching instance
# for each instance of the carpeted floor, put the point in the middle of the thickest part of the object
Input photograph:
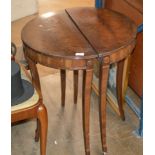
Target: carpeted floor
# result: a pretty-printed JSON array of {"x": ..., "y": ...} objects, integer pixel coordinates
[{"x": 65, "y": 134}]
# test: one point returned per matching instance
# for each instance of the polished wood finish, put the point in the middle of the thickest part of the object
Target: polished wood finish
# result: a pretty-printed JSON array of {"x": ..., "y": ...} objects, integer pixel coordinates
[
  {"x": 126, "y": 8},
  {"x": 136, "y": 67},
  {"x": 35, "y": 75},
  {"x": 76, "y": 73},
  {"x": 73, "y": 39},
  {"x": 87, "y": 79},
  {"x": 105, "y": 30},
  {"x": 134, "y": 10},
  {"x": 104, "y": 71},
  {"x": 42, "y": 121},
  {"x": 112, "y": 36},
  {"x": 119, "y": 87},
  {"x": 52, "y": 32},
  {"x": 126, "y": 68},
  {"x": 37, "y": 111},
  {"x": 42, "y": 113},
  {"x": 63, "y": 86},
  {"x": 37, "y": 132},
  {"x": 59, "y": 45},
  {"x": 137, "y": 4}
]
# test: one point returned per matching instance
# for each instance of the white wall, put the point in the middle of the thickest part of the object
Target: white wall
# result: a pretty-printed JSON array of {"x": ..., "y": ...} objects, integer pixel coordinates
[{"x": 22, "y": 8}]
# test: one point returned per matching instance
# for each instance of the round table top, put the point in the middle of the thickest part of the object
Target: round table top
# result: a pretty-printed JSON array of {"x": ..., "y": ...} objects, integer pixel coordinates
[
  {"x": 105, "y": 29},
  {"x": 56, "y": 35},
  {"x": 79, "y": 33}
]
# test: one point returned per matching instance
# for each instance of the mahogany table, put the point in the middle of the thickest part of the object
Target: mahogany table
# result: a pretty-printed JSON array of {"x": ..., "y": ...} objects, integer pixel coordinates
[{"x": 74, "y": 39}]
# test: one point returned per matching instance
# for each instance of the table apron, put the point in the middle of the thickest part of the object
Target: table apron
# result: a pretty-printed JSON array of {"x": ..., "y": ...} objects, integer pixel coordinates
[
  {"x": 57, "y": 62},
  {"x": 118, "y": 55}
]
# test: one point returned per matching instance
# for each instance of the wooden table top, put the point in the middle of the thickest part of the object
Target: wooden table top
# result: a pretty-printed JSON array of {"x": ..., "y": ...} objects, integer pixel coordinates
[
  {"x": 105, "y": 30},
  {"x": 87, "y": 30},
  {"x": 56, "y": 35}
]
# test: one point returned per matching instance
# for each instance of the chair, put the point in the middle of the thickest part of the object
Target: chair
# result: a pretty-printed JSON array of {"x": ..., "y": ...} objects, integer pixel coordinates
[{"x": 32, "y": 108}]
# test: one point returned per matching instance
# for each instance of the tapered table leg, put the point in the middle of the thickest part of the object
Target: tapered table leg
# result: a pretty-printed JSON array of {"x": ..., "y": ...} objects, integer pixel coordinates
[
  {"x": 119, "y": 88},
  {"x": 75, "y": 86},
  {"x": 87, "y": 79},
  {"x": 35, "y": 76},
  {"x": 63, "y": 86},
  {"x": 42, "y": 118},
  {"x": 104, "y": 71}
]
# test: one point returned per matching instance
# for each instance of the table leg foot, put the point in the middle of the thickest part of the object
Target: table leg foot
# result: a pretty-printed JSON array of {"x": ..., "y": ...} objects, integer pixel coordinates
[
  {"x": 88, "y": 152},
  {"x": 87, "y": 79},
  {"x": 104, "y": 148}
]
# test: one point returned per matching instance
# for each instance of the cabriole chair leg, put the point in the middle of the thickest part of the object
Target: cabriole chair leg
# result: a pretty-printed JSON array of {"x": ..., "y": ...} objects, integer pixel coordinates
[{"x": 42, "y": 117}]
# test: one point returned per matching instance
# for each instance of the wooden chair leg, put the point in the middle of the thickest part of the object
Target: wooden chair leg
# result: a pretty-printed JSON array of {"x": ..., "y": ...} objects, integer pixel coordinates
[
  {"x": 42, "y": 117},
  {"x": 63, "y": 86},
  {"x": 104, "y": 71},
  {"x": 119, "y": 88},
  {"x": 37, "y": 132},
  {"x": 87, "y": 79},
  {"x": 75, "y": 86}
]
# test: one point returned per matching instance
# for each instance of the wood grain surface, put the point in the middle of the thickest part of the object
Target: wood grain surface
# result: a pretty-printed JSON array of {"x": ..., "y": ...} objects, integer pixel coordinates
[
  {"x": 104, "y": 29},
  {"x": 56, "y": 35}
]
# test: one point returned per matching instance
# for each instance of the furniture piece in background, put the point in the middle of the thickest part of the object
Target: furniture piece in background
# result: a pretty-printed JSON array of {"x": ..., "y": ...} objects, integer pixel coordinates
[
  {"x": 138, "y": 110},
  {"x": 21, "y": 9},
  {"x": 32, "y": 108}
]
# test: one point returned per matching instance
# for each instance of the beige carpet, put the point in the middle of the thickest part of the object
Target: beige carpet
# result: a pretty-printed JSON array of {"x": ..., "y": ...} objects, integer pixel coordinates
[{"x": 65, "y": 134}]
